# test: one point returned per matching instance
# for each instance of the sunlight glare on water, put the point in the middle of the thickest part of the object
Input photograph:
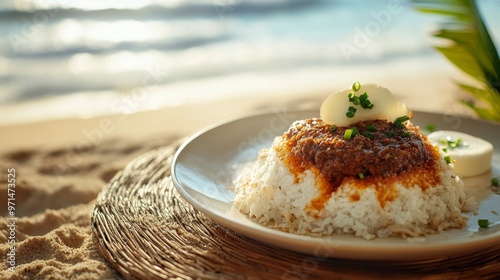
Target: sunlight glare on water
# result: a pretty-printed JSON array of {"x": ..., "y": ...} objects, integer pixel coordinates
[{"x": 59, "y": 48}]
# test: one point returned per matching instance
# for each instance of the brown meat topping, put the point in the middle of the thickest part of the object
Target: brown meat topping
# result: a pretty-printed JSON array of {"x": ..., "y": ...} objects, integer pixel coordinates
[{"x": 404, "y": 156}]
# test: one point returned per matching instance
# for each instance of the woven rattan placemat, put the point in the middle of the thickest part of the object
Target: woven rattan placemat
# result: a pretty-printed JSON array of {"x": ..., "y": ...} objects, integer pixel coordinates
[{"x": 146, "y": 230}]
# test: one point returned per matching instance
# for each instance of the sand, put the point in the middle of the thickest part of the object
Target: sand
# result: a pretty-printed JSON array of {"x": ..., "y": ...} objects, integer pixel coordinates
[
  {"x": 54, "y": 203},
  {"x": 62, "y": 165}
]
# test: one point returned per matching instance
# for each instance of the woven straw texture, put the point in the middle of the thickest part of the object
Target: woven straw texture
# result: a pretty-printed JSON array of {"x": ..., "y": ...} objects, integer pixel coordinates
[{"x": 146, "y": 230}]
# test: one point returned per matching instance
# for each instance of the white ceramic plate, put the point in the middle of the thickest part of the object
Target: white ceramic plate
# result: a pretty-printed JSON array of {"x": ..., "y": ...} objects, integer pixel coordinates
[{"x": 205, "y": 165}]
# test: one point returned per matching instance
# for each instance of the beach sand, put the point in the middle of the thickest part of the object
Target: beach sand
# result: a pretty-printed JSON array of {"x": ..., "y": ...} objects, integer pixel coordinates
[
  {"x": 53, "y": 206},
  {"x": 62, "y": 165}
]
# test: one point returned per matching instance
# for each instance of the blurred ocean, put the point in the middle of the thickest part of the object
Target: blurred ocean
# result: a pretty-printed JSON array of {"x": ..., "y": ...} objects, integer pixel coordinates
[{"x": 53, "y": 48}]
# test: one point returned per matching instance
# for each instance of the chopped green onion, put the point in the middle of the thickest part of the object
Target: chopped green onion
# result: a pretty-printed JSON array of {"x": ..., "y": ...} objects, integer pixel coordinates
[
  {"x": 348, "y": 134},
  {"x": 361, "y": 176},
  {"x": 368, "y": 134},
  {"x": 399, "y": 121},
  {"x": 365, "y": 103},
  {"x": 405, "y": 134},
  {"x": 354, "y": 99},
  {"x": 403, "y": 119},
  {"x": 454, "y": 144},
  {"x": 351, "y": 112},
  {"x": 371, "y": 128},
  {"x": 354, "y": 131},
  {"x": 444, "y": 150},
  {"x": 451, "y": 143},
  {"x": 333, "y": 128},
  {"x": 448, "y": 159},
  {"x": 358, "y": 100},
  {"x": 431, "y": 127},
  {"x": 356, "y": 86},
  {"x": 389, "y": 133},
  {"x": 495, "y": 182},
  {"x": 484, "y": 223}
]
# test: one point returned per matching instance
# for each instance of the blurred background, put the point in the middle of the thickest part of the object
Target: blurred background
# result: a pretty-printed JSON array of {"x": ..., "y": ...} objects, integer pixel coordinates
[{"x": 63, "y": 58}]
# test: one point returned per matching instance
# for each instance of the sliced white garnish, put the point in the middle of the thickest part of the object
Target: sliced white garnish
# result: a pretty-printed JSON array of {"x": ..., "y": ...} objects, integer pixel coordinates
[
  {"x": 385, "y": 106},
  {"x": 470, "y": 155}
]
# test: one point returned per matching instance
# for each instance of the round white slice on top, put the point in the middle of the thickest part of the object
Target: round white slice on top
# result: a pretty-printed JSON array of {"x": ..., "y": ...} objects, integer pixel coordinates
[
  {"x": 470, "y": 155},
  {"x": 386, "y": 106}
]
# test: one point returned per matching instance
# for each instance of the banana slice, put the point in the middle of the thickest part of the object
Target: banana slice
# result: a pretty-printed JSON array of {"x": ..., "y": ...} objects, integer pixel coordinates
[
  {"x": 385, "y": 106},
  {"x": 471, "y": 155}
]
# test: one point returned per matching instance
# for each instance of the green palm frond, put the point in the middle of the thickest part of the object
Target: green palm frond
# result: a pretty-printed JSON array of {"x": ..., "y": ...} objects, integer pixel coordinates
[{"x": 471, "y": 49}]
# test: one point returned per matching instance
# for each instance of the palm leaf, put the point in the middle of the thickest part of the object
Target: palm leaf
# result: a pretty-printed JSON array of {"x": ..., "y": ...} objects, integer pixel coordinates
[
  {"x": 471, "y": 49},
  {"x": 464, "y": 61}
]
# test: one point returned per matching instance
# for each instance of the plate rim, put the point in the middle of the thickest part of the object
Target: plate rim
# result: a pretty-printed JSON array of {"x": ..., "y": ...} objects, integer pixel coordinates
[{"x": 393, "y": 248}]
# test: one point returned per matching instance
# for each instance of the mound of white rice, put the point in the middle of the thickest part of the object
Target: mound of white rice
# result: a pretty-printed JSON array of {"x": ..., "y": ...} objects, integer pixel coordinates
[{"x": 268, "y": 194}]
